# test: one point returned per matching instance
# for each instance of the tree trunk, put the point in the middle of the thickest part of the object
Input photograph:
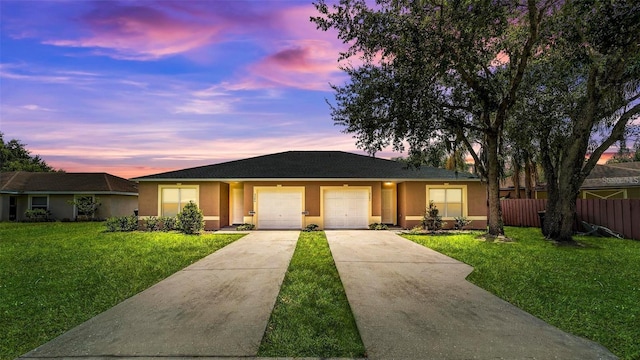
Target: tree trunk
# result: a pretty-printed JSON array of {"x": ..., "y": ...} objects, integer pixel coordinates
[
  {"x": 560, "y": 214},
  {"x": 527, "y": 176},
  {"x": 493, "y": 183},
  {"x": 516, "y": 177}
]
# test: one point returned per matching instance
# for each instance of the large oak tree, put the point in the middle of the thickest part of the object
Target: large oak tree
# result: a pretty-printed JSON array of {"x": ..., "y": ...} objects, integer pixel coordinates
[
  {"x": 579, "y": 98},
  {"x": 435, "y": 69}
]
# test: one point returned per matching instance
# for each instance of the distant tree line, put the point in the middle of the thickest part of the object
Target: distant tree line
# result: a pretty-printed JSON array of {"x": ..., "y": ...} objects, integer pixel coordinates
[{"x": 14, "y": 156}]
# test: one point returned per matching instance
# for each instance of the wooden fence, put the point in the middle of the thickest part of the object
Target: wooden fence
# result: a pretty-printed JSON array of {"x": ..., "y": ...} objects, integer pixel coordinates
[{"x": 620, "y": 215}]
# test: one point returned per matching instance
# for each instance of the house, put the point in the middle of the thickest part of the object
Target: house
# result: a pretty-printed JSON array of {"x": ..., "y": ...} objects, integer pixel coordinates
[
  {"x": 332, "y": 189},
  {"x": 21, "y": 191},
  {"x": 609, "y": 181}
]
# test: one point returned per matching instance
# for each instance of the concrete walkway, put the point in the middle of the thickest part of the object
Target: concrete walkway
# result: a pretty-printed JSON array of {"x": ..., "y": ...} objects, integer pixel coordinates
[
  {"x": 216, "y": 308},
  {"x": 411, "y": 302}
]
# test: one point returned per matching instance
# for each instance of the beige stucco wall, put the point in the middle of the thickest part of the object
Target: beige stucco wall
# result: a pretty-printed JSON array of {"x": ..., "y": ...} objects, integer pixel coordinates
[
  {"x": 116, "y": 205},
  {"x": 410, "y": 198},
  {"x": 412, "y": 202}
]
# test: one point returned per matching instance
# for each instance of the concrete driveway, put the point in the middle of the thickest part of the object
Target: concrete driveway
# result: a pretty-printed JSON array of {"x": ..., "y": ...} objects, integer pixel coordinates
[
  {"x": 411, "y": 302},
  {"x": 217, "y": 307}
]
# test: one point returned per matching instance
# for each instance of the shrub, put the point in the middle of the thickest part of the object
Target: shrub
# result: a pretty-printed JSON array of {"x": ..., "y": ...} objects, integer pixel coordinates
[
  {"x": 122, "y": 223},
  {"x": 378, "y": 226},
  {"x": 431, "y": 220},
  {"x": 461, "y": 222},
  {"x": 190, "y": 219},
  {"x": 245, "y": 227},
  {"x": 86, "y": 207},
  {"x": 152, "y": 223},
  {"x": 311, "y": 227},
  {"x": 37, "y": 215},
  {"x": 169, "y": 223}
]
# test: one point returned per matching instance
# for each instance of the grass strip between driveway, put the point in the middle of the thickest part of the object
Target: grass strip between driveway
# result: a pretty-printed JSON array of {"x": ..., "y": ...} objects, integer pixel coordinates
[
  {"x": 312, "y": 317},
  {"x": 591, "y": 291},
  {"x": 54, "y": 276}
]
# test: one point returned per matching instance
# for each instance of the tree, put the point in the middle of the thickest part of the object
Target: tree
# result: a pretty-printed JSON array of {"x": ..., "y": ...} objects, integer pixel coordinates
[
  {"x": 15, "y": 157},
  {"x": 580, "y": 98},
  {"x": 624, "y": 154},
  {"x": 448, "y": 70}
]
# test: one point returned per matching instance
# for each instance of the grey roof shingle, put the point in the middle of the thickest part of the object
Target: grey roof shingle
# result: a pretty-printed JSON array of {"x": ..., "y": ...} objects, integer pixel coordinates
[
  {"x": 59, "y": 182},
  {"x": 310, "y": 165}
]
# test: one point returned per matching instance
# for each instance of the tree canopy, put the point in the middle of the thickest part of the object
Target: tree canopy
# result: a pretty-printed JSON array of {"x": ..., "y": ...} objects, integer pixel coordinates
[
  {"x": 435, "y": 70},
  {"x": 553, "y": 80},
  {"x": 14, "y": 156}
]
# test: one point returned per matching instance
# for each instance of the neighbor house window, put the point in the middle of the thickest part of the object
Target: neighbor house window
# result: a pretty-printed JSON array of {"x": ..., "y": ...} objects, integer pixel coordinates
[
  {"x": 39, "y": 202},
  {"x": 174, "y": 199},
  {"x": 84, "y": 209},
  {"x": 447, "y": 200}
]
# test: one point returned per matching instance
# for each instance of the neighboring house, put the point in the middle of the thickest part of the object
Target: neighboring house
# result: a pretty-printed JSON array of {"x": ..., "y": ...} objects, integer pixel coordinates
[
  {"x": 332, "y": 189},
  {"x": 21, "y": 191},
  {"x": 609, "y": 181}
]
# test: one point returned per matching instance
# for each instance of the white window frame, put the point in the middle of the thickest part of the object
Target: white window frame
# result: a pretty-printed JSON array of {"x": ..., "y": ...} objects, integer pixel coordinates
[
  {"x": 161, "y": 188},
  {"x": 446, "y": 186},
  {"x": 37, "y": 196}
]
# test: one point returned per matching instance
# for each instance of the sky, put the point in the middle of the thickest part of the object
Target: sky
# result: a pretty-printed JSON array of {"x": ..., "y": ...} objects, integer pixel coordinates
[{"x": 134, "y": 88}]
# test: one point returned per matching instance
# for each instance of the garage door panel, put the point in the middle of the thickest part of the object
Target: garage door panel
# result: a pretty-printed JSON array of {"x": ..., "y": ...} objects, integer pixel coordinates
[
  {"x": 346, "y": 209},
  {"x": 279, "y": 209}
]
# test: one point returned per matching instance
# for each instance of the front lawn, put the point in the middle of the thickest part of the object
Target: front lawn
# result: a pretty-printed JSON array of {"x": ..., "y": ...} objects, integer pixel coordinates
[
  {"x": 54, "y": 276},
  {"x": 312, "y": 317},
  {"x": 591, "y": 291}
]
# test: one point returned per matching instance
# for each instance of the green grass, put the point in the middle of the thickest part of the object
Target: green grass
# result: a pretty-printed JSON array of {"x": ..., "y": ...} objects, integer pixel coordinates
[
  {"x": 54, "y": 276},
  {"x": 591, "y": 291},
  {"x": 312, "y": 316}
]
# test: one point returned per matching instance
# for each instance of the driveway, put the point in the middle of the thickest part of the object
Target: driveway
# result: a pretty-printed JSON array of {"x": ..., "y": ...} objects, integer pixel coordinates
[
  {"x": 217, "y": 307},
  {"x": 411, "y": 302}
]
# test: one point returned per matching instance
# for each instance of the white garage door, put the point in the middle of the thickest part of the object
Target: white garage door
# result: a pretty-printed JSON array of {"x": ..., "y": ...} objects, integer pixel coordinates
[
  {"x": 346, "y": 209},
  {"x": 279, "y": 208}
]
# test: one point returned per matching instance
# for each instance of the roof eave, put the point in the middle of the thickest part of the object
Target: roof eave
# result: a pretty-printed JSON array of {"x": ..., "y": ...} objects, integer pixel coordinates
[{"x": 180, "y": 180}]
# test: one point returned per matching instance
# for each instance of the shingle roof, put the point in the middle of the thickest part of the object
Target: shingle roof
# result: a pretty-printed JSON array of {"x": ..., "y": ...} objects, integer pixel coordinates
[
  {"x": 311, "y": 165},
  {"x": 59, "y": 182},
  {"x": 613, "y": 176}
]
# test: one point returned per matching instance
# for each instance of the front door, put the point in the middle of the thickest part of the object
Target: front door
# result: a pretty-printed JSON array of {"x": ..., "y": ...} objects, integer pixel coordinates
[
  {"x": 238, "y": 206},
  {"x": 13, "y": 208}
]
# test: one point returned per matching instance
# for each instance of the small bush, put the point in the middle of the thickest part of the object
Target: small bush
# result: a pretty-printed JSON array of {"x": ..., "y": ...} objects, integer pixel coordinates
[
  {"x": 431, "y": 220},
  {"x": 122, "y": 223},
  {"x": 152, "y": 224},
  {"x": 169, "y": 223},
  {"x": 190, "y": 219},
  {"x": 245, "y": 227},
  {"x": 378, "y": 226},
  {"x": 461, "y": 222},
  {"x": 311, "y": 227},
  {"x": 418, "y": 229},
  {"x": 37, "y": 215}
]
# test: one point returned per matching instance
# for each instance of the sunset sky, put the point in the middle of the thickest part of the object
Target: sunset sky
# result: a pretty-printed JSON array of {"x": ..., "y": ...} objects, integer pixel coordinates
[
  {"x": 136, "y": 88},
  {"x": 140, "y": 87}
]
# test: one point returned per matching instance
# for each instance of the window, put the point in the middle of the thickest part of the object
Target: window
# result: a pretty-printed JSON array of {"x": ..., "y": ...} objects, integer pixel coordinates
[
  {"x": 39, "y": 202},
  {"x": 174, "y": 199},
  {"x": 85, "y": 205},
  {"x": 448, "y": 201}
]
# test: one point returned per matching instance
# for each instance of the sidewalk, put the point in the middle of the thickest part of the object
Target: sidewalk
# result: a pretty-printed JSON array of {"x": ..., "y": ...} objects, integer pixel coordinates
[
  {"x": 411, "y": 302},
  {"x": 216, "y": 308}
]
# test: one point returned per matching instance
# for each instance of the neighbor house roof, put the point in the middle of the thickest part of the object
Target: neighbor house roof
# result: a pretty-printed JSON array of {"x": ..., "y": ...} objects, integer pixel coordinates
[
  {"x": 22, "y": 182},
  {"x": 310, "y": 165},
  {"x": 613, "y": 176}
]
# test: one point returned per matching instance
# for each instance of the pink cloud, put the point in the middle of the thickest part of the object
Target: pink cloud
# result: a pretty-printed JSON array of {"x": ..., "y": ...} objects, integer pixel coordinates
[
  {"x": 143, "y": 33},
  {"x": 305, "y": 64}
]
